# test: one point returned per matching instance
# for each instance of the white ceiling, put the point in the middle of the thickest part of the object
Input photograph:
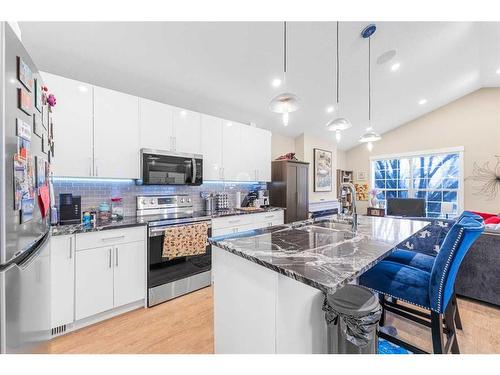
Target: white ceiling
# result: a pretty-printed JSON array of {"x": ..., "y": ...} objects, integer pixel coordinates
[{"x": 225, "y": 68}]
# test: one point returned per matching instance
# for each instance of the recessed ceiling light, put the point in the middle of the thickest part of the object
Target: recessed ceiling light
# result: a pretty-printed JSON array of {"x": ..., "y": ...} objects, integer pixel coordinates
[
  {"x": 276, "y": 82},
  {"x": 395, "y": 67},
  {"x": 183, "y": 113},
  {"x": 498, "y": 71},
  {"x": 330, "y": 109},
  {"x": 422, "y": 101},
  {"x": 229, "y": 123},
  {"x": 83, "y": 88}
]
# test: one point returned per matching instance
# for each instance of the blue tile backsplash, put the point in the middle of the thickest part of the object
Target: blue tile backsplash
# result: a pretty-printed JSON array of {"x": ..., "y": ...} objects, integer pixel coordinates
[{"x": 95, "y": 191}]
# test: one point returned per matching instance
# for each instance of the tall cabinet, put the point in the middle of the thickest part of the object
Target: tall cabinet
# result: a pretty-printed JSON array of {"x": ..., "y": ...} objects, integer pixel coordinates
[{"x": 290, "y": 188}]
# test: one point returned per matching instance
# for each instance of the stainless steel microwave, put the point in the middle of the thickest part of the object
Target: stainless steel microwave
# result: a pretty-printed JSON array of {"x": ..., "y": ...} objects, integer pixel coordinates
[{"x": 171, "y": 168}]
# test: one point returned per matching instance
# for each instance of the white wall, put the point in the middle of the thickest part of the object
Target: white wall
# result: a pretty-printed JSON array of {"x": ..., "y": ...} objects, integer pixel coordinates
[
  {"x": 472, "y": 122},
  {"x": 281, "y": 145}
]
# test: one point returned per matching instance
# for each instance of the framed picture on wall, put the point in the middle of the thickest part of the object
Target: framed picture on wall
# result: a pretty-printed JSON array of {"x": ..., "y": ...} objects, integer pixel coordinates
[
  {"x": 323, "y": 161},
  {"x": 361, "y": 176}
]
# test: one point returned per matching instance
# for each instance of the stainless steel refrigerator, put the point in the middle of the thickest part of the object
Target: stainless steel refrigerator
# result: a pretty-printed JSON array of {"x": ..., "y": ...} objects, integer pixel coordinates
[{"x": 24, "y": 232}]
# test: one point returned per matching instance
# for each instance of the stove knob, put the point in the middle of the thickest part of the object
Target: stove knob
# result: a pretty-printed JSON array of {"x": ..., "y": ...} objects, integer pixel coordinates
[
  {"x": 143, "y": 201},
  {"x": 151, "y": 201},
  {"x": 182, "y": 200},
  {"x": 188, "y": 200}
]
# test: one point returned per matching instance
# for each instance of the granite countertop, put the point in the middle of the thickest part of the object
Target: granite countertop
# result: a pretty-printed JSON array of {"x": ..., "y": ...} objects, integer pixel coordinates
[
  {"x": 132, "y": 221},
  {"x": 128, "y": 221},
  {"x": 323, "y": 254}
]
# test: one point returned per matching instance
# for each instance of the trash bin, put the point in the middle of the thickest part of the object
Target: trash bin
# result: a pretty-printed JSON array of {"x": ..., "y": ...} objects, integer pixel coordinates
[{"x": 352, "y": 315}]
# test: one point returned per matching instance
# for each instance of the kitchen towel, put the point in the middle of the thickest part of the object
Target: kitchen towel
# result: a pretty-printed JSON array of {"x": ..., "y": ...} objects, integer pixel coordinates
[
  {"x": 43, "y": 199},
  {"x": 185, "y": 240}
]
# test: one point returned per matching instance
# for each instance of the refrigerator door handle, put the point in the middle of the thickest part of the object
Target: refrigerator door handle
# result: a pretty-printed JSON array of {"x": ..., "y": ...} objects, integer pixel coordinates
[{"x": 110, "y": 256}]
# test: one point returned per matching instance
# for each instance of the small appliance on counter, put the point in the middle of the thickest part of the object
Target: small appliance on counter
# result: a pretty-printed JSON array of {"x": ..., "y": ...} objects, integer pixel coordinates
[
  {"x": 257, "y": 198},
  {"x": 222, "y": 200},
  {"x": 70, "y": 209}
]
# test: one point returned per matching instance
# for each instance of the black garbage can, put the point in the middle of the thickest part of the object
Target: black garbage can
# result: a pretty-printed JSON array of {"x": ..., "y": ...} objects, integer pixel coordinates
[{"x": 352, "y": 315}]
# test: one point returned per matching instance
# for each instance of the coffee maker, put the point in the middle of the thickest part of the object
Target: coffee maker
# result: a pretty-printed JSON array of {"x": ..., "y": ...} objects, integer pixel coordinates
[
  {"x": 70, "y": 209},
  {"x": 263, "y": 198}
]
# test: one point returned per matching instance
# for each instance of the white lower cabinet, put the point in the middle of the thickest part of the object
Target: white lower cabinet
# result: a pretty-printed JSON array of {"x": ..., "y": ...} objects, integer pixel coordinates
[
  {"x": 96, "y": 272},
  {"x": 94, "y": 281},
  {"x": 62, "y": 269},
  {"x": 108, "y": 277},
  {"x": 129, "y": 273},
  {"x": 242, "y": 223}
]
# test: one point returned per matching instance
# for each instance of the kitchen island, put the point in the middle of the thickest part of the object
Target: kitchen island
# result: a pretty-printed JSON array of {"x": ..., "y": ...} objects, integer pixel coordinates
[{"x": 269, "y": 284}]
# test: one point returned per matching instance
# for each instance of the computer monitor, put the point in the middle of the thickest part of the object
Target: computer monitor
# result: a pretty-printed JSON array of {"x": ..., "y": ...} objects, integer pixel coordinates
[{"x": 408, "y": 207}]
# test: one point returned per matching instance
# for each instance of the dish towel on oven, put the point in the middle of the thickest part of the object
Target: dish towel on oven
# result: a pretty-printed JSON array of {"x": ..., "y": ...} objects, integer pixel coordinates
[{"x": 185, "y": 240}]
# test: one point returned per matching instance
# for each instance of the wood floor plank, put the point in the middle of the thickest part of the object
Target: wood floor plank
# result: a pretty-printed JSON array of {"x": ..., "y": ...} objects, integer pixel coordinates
[{"x": 185, "y": 326}]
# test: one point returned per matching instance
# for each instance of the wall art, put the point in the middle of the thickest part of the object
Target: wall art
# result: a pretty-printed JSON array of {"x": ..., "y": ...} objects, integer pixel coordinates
[
  {"x": 361, "y": 176},
  {"x": 37, "y": 126},
  {"x": 27, "y": 207},
  {"x": 38, "y": 95},
  {"x": 23, "y": 148},
  {"x": 45, "y": 116},
  {"x": 322, "y": 170},
  {"x": 41, "y": 176},
  {"x": 24, "y": 74},
  {"x": 486, "y": 179},
  {"x": 23, "y": 129},
  {"x": 25, "y": 103}
]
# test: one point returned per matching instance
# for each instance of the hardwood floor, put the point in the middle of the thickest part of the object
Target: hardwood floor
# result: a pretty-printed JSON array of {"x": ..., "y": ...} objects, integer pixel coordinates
[{"x": 185, "y": 325}]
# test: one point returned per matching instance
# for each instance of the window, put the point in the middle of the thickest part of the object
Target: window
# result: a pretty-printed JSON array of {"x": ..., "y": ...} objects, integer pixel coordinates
[{"x": 435, "y": 176}]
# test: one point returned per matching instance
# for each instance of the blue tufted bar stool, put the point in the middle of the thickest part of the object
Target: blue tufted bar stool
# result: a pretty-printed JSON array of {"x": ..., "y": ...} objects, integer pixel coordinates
[
  {"x": 423, "y": 260},
  {"x": 431, "y": 289}
]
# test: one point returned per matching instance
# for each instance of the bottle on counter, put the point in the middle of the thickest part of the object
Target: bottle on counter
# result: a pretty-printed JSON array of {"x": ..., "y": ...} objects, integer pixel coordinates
[
  {"x": 117, "y": 208},
  {"x": 104, "y": 211}
]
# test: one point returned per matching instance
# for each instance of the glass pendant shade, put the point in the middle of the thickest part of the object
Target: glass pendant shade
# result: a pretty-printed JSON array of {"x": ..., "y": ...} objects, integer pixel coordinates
[
  {"x": 369, "y": 146},
  {"x": 340, "y": 123},
  {"x": 284, "y": 103},
  {"x": 370, "y": 136},
  {"x": 338, "y": 136}
]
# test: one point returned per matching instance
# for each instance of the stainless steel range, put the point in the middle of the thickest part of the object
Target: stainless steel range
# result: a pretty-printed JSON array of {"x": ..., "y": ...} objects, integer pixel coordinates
[{"x": 170, "y": 278}]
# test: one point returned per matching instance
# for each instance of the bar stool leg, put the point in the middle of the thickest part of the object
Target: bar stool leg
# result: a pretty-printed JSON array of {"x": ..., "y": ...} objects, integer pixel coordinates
[
  {"x": 437, "y": 332},
  {"x": 449, "y": 323},
  {"x": 381, "y": 298}
]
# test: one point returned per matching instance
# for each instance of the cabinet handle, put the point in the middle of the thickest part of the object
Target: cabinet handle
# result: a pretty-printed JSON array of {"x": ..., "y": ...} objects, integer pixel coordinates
[
  {"x": 90, "y": 166},
  {"x": 96, "y": 168},
  {"x": 269, "y": 216},
  {"x": 70, "y": 247},
  {"x": 110, "y": 255},
  {"x": 113, "y": 238},
  {"x": 116, "y": 256}
]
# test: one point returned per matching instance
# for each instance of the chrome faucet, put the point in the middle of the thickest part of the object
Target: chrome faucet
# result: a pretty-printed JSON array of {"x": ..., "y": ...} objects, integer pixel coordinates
[{"x": 354, "y": 218}]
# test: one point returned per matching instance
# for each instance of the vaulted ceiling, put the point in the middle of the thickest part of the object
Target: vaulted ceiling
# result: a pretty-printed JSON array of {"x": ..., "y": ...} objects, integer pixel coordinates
[{"x": 226, "y": 68}]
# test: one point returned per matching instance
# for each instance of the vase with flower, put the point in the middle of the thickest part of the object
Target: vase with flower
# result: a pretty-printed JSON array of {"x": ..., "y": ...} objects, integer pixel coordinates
[{"x": 373, "y": 198}]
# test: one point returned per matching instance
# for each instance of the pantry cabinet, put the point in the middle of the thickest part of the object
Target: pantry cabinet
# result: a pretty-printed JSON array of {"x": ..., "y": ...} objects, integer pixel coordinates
[
  {"x": 62, "y": 268},
  {"x": 155, "y": 125},
  {"x": 73, "y": 122},
  {"x": 116, "y": 134}
]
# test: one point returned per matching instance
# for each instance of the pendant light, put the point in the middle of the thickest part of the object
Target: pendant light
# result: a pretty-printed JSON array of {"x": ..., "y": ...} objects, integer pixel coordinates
[
  {"x": 370, "y": 136},
  {"x": 285, "y": 102},
  {"x": 340, "y": 123}
]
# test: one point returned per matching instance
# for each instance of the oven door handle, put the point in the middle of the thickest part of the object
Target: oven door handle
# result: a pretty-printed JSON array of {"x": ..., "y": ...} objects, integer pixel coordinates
[{"x": 154, "y": 232}]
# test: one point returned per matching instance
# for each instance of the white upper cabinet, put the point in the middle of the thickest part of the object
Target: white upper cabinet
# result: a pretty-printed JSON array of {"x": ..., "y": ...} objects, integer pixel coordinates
[
  {"x": 116, "y": 129},
  {"x": 155, "y": 125},
  {"x": 72, "y": 118},
  {"x": 187, "y": 131},
  {"x": 211, "y": 147},
  {"x": 247, "y": 157},
  {"x": 231, "y": 151}
]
